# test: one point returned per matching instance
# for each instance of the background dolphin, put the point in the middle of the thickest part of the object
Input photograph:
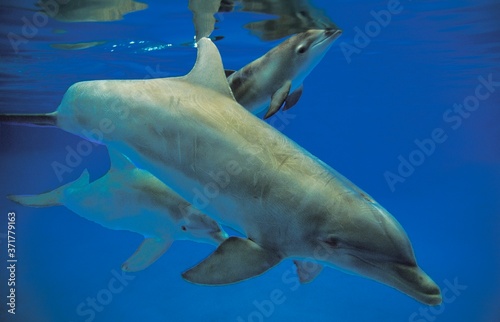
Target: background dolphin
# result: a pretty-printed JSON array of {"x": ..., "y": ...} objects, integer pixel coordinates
[
  {"x": 128, "y": 198},
  {"x": 191, "y": 133},
  {"x": 276, "y": 78}
]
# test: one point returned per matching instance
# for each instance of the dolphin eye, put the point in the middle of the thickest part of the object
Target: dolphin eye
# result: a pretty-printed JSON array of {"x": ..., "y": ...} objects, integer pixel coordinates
[
  {"x": 332, "y": 242},
  {"x": 301, "y": 49}
]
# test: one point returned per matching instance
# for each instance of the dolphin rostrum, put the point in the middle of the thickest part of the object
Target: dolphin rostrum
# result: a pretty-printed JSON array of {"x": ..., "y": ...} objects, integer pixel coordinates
[
  {"x": 128, "y": 198},
  {"x": 276, "y": 78},
  {"x": 190, "y": 133}
]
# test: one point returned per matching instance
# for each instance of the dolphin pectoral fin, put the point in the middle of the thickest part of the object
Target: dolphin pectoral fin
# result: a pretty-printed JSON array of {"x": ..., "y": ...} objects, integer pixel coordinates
[
  {"x": 148, "y": 252},
  {"x": 229, "y": 72},
  {"x": 307, "y": 271},
  {"x": 236, "y": 259},
  {"x": 293, "y": 98},
  {"x": 278, "y": 99}
]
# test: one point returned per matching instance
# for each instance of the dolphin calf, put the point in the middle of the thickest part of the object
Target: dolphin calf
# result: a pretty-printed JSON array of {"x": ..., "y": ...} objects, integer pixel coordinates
[
  {"x": 276, "y": 78},
  {"x": 128, "y": 198},
  {"x": 191, "y": 133}
]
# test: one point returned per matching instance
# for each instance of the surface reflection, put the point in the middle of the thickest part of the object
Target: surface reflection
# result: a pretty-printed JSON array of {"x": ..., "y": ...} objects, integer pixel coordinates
[
  {"x": 77, "y": 46},
  {"x": 293, "y": 16},
  {"x": 203, "y": 16},
  {"x": 90, "y": 10}
]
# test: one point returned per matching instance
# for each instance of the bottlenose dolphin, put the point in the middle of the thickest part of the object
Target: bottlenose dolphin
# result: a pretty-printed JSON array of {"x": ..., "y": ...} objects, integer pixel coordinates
[
  {"x": 276, "y": 78},
  {"x": 128, "y": 198},
  {"x": 191, "y": 133}
]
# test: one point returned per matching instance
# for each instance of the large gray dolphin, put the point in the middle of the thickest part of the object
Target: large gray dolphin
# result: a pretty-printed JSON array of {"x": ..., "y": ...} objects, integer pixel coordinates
[
  {"x": 276, "y": 78},
  {"x": 128, "y": 198},
  {"x": 191, "y": 134}
]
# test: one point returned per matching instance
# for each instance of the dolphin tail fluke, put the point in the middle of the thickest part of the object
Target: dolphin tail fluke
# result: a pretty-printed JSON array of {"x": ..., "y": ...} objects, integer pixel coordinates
[
  {"x": 48, "y": 119},
  {"x": 236, "y": 259},
  {"x": 148, "y": 252},
  {"x": 51, "y": 198}
]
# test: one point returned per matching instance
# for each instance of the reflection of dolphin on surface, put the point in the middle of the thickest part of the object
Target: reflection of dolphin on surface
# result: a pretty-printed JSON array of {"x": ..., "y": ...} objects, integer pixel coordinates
[
  {"x": 293, "y": 16},
  {"x": 90, "y": 10},
  {"x": 128, "y": 198},
  {"x": 191, "y": 133},
  {"x": 276, "y": 78},
  {"x": 203, "y": 16}
]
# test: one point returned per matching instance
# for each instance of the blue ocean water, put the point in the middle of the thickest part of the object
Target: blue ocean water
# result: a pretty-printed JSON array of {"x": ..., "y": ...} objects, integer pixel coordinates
[{"x": 370, "y": 109}]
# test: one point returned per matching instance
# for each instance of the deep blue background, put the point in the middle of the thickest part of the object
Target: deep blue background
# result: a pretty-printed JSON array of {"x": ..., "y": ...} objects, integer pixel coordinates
[{"x": 359, "y": 117}]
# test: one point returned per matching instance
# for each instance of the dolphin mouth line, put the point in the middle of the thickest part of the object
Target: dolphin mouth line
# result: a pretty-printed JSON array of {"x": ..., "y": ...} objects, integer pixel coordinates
[
  {"x": 430, "y": 297},
  {"x": 334, "y": 35},
  {"x": 365, "y": 261}
]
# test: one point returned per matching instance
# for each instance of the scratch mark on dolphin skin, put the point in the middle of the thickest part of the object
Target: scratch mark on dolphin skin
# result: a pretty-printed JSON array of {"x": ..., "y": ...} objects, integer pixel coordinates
[
  {"x": 147, "y": 151},
  {"x": 283, "y": 162},
  {"x": 366, "y": 197},
  {"x": 179, "y": 146},
  {"x": 195, "y": 152},
  {"x": 328, "y": 181},
  {"x": 176, "y": 102},
  {"x": 265, "y": 190},
  {"x": 153, "y": 130},
  {"x": 263, "y": 193}
]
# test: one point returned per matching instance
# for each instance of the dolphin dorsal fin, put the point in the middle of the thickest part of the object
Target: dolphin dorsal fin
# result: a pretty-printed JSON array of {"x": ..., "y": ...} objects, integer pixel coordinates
[
  {"x": 119, "y": 160},
  {"x": 208, "y": 70}
]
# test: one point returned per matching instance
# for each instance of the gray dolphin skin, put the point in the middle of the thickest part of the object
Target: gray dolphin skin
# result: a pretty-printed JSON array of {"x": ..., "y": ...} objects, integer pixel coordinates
[
  {"x": 276, "y": 78},
  {"x": 190, "y": 133},
  {"x": 128, "y": 198}
]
